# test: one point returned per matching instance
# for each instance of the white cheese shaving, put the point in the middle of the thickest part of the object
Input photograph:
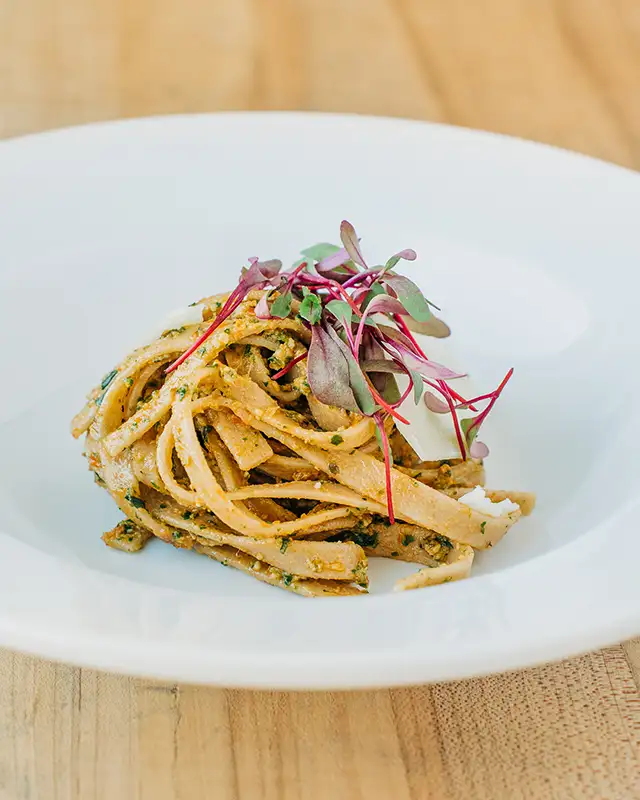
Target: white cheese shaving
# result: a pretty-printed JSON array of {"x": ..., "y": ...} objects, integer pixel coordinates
[
  {"x": 477, "y": 500},
  {"x": 432, "y": 435}
]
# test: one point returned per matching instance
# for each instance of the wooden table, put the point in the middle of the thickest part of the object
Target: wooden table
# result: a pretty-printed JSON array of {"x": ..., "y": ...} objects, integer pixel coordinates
[{"x": 562, "y": 72}]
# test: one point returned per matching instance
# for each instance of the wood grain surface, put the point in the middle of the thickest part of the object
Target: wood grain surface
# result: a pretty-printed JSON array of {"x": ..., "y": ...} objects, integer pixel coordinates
[{"x": 561, "y": 71}]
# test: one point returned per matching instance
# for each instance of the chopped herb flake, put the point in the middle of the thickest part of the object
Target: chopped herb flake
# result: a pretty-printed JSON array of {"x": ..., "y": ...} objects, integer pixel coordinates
[
  {"x": 443, "y": 541},
  {"x": 136, "y": 502},
  {"x": 173, "y": 332},
  {"x": 108, "y": 378},
  {"x": 363, "y": 539}
]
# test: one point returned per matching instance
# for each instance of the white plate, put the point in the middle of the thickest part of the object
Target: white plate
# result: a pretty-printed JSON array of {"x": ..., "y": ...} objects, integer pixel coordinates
[{"x": 532, "y": 252}]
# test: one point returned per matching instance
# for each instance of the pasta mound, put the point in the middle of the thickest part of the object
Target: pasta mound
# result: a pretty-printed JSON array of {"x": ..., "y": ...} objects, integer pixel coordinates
[{"x": 258, "y": 474}]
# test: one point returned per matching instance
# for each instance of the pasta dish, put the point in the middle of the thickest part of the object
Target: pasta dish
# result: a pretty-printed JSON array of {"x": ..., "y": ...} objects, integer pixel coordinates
[{"x": 265, "y": 431}]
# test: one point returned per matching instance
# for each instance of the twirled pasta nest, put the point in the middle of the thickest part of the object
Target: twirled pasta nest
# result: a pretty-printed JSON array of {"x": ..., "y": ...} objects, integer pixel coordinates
[{"x": 260, "y": 475}]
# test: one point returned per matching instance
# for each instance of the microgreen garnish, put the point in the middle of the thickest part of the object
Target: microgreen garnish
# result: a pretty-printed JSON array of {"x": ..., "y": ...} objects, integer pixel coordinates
[{"x": 361, "y": 319}]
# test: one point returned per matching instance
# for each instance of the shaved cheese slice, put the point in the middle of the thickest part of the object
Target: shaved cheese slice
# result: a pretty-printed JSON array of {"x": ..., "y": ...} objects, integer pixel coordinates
[
  {"x": 477, "y": 500},
  {"x": 432, "y": 435}
]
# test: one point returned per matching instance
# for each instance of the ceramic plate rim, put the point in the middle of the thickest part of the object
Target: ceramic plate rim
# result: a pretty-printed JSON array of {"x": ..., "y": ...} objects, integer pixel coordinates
[{"x": 335, "y": 669}]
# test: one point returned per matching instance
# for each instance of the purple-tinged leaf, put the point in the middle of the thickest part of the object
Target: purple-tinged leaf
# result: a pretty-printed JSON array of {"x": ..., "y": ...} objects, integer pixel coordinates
[
  {"x": 407, "y": 352},
  {"x": 362, "y": 296},
  {"x": 478, "y": 450},
  {"x": 335, "y": 259},
  {"x": 428, "y": 369},
  {"x": 364, "y": 277},
  {"x": 407, "y": 255},
  {"x": 395, "y": 337},
  {"x": 383, "y": 304},
  {"x": 380, "y": 370},
  {"x": 359, "y": 295},
  {"x": 389, "y": 390},
  {"x": 336, "y": 276},
  {"x": 328, "y": 371},
  {"x": 351, "y": 244},
  {"x": 409, "y": 295},
  {"x": 432, "y": 327},
  {"x": 382, "y": 365},
  {"x": 282, "y": 305},
  {"x": 318, "y": 252},
  {"x": 370, "y": 350},
  {"x": 358, "y": 382},
  {"x": 373, "y": 291},
  {"x": 262, "y": 310},
  {"x": 380, "y": 304},
  {"x": 435, "y": 404},
  {"x": 260, "y": 272}
]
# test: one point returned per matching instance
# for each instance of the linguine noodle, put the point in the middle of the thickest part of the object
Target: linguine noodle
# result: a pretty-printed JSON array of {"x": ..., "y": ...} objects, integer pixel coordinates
[{"x": 226, "y": 457}]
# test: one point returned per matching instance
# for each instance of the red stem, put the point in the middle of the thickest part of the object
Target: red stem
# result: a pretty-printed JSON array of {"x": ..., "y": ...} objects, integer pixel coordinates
[
  {"x": 385, "y": 405},
  {"x": 226, "y": 311},
  {"x": 289, "y": 366},
  {"x": 386, "y": 451},
  {"x": 347, "y": 297},
  {"x": 450, "y": 394},
  {"x": 358, "y": 340},
  {"x": 477, "y": 399},
  {"x": 403, "y": 327},
  {"x": 456, "y": 422},
  {"x": 397, "y": 318},
  {"x": 405, "y": 394},
  {"x": 291, "y": 278},
  {"x": 481, "y": 417},
  {"x": 355, "y": 279}
]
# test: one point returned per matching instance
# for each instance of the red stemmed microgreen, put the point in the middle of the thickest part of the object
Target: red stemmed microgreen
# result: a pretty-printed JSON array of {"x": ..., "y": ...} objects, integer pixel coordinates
[
  {"x": 471, "y": 425},
  {"x": 289, "y": 366},
  {"x": 361, "y": 319},
  {"x": 257, "y": 276}
]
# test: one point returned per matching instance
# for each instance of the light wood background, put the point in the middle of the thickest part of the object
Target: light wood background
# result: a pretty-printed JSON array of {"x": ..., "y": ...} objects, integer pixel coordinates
[{"x": 560, "y": 71}]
